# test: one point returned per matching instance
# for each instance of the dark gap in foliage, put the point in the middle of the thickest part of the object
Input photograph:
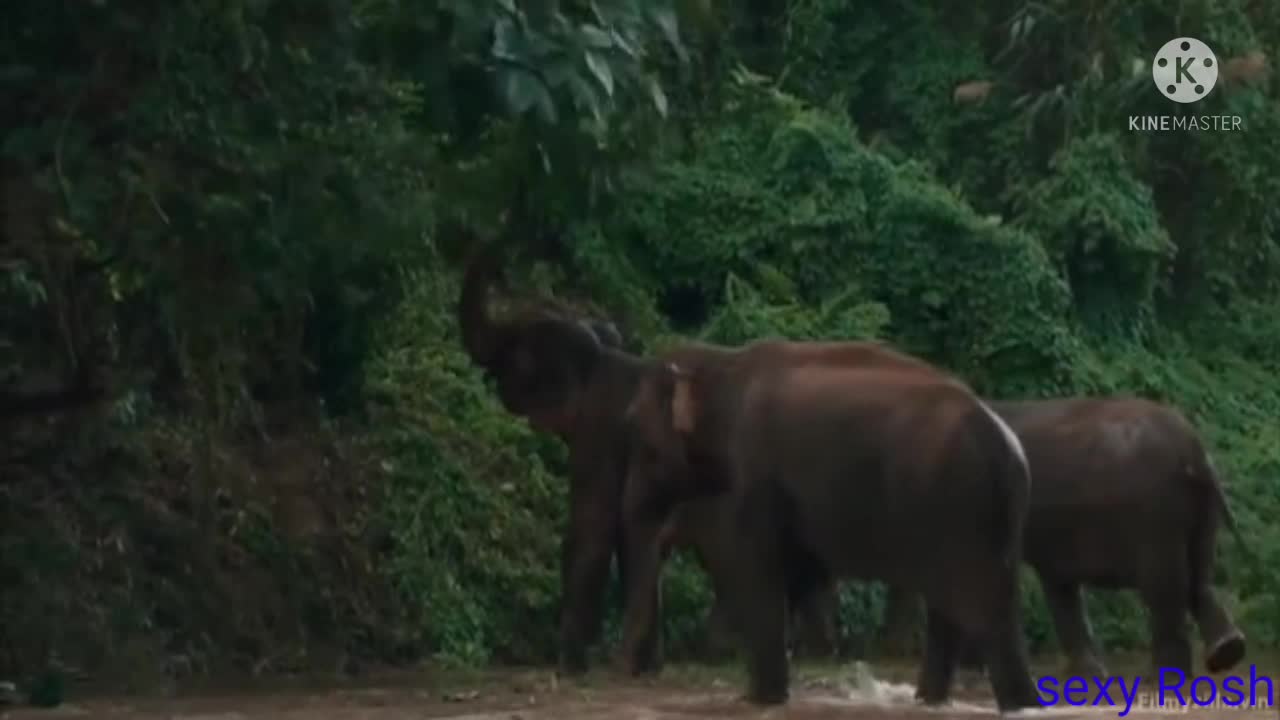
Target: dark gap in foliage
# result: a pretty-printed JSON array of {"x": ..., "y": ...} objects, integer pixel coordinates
[{"x": 685, "y": 305}]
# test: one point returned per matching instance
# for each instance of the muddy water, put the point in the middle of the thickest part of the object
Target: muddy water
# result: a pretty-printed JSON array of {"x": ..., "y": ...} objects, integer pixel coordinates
[{"x": 819, "y": 693}]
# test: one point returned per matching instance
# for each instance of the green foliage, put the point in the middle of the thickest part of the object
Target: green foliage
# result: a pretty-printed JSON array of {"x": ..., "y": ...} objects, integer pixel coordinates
[
  {"x": 473, "y": 512},
  {"x": 1103, "y": 230},
  {"x": 860, "y": 607},
  {"x": 787, "y": 197},
  {"x": 227, "y": 212},
  {"x": 747, "y": 314},
  {"x": 210, "y": 207}
]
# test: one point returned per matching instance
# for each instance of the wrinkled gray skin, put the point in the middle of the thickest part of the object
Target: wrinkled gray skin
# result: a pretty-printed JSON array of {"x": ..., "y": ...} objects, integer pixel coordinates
[
  {"x": 1124, "y": 496},
  {"x": 896, "y": 473}
]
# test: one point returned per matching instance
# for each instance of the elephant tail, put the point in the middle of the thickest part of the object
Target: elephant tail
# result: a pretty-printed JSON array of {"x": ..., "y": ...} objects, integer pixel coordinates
[
  {"x": 1013, "y": 494},
  {"x": 1211, "y": 476}
]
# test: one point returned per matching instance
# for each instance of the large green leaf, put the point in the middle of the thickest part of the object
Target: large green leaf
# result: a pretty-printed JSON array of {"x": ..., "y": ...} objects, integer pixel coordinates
[
  {"x": 523, "y": 90},
  {"x": 600, "y": 69}
]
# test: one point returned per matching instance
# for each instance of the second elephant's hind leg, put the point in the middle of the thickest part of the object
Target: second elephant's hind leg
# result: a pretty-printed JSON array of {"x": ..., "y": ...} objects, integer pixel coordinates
[
  {"x": 1071, "y": 623},
  {"x": 989, "y": 606},
  {"x": 1009, "y": 667},
  {"x": 1224, "y": 643},
  {"x": 938, "y": 666}
]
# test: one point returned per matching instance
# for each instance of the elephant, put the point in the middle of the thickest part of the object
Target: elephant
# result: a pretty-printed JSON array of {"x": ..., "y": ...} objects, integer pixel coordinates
[
  {"x": 1124, "y": 496},
  {"x": 570, "y": 377},
  {"x": 567, "y": 376},
  {"x": 895, "y": 473}
]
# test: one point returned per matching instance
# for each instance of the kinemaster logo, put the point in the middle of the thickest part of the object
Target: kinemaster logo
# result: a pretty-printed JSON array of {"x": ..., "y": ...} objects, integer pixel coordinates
[{"x": 1185, "y": 70}]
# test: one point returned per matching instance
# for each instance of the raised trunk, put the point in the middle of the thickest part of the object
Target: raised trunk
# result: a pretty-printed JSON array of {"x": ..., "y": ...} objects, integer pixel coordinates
[{"x": 479, "y": 332}]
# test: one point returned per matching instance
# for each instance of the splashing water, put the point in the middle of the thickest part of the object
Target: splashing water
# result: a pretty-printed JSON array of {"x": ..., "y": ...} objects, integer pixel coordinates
[{"x": 863, "y": 689}]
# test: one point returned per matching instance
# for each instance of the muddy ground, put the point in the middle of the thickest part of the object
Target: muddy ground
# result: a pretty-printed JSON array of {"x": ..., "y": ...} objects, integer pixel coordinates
[{"x": 682, "y": 693}]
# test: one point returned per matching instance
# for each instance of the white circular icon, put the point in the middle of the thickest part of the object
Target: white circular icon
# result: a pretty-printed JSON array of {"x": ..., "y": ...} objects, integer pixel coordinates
[{"x": 1185, "y": 70}]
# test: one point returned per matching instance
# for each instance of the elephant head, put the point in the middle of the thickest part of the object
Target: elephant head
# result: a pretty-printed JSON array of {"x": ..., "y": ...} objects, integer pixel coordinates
[
  {"x": 540, "y": 356},
  {"x": 664, "y": 471},
  {"x": 664, "y": 421}
]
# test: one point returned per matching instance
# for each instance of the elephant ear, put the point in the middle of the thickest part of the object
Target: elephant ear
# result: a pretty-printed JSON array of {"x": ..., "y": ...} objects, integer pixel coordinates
[{"x": 684, "y": 404}]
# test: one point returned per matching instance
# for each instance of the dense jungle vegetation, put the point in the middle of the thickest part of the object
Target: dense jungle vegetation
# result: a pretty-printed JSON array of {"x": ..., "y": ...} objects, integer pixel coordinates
[{"x": 241, "y": 433}]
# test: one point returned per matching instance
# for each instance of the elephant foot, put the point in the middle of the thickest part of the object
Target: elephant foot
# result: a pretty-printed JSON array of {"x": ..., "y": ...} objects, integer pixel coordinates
[
  {"x": 932, "y": 696},
  {"x": 626, "y": 667},
  {"x": 648, "y": 669},
  {"x": 765, "y": 696},
  {"x": 572, "y": 665},
  {"x": 1225, "y": 653},
  {"x": 571, "y": 671},
  {"x": 932, "y": 688},
  {"x": 639, "y": 669},
  {"x": 933, "y": 685},
  {"x": 768, "y": 688},
  {"x": 1021, "y": 701},
  {"x": 1014, "y": 688},
  {"x": 642, "y": 661}
]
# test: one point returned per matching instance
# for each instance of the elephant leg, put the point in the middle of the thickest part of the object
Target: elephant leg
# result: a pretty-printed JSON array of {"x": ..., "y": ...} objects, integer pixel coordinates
[
  {"x": 809, "y": 592},
  {"x": 1008, "y": 663},
  {"x": 1010, "y": 672},
  {"x": 710, "y": 552},
  {"x": 763, "y": 619},
  {"x": 1164, "y": 589},
  {"x": 1071, "y": 622},
  {"x": 1224, "y": 643},
  {"x": 642, "y": 641},
  {"x": 969, "y": 654},
  {"x": 587, "y": 550},
  {"x": 641, "y": 632},
  {"x": 759, "y": 594},
  {"x": 938, "y": 667}
]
